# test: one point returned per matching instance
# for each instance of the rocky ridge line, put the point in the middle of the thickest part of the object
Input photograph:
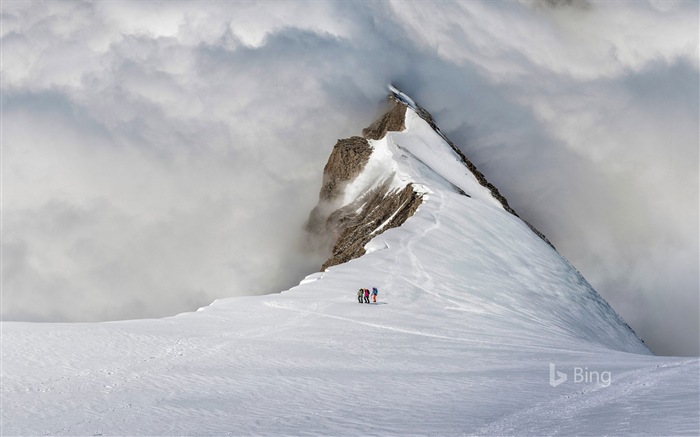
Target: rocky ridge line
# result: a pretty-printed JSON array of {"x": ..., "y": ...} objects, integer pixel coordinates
[{"x": 344, "y": 230}]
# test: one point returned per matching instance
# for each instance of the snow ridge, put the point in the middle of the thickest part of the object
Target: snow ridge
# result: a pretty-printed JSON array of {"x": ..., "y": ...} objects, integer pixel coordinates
[
  {"x": 419, "y": 160},
  {"x": 425, "y": 115}
]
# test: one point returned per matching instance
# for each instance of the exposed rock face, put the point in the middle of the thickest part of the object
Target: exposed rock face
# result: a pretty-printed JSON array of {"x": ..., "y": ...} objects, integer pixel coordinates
[
  {"x": 392, "y": 120},
  {"x": 344, "y": 229},
  {"x": 348, "y": 158},
  {"x": 347, "y": 229},
  {"x": 381, "y": 209}
]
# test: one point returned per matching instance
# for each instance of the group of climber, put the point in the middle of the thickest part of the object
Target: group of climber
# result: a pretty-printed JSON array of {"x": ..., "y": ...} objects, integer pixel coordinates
[{"x": 364, "y": 293}]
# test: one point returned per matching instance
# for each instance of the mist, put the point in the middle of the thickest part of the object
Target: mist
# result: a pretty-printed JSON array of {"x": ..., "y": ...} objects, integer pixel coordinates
[{"x": 158, "y": 156}]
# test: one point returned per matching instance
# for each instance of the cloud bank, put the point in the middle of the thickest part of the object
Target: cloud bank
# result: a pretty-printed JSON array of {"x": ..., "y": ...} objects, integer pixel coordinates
[{"x": 157, "y": 156}]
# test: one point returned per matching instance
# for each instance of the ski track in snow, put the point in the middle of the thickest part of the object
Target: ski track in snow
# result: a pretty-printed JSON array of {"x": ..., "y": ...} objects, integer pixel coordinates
[{"x": 557, "y": 416}]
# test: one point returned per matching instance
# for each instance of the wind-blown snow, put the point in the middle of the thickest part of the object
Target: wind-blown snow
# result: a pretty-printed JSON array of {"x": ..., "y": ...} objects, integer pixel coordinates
[
  {"x": 473, "y": 308},
  {"x": 380, "y": 168}
]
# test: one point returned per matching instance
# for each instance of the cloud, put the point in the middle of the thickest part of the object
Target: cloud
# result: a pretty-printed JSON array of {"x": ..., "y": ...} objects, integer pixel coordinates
[{"x": 158, "y": 156}]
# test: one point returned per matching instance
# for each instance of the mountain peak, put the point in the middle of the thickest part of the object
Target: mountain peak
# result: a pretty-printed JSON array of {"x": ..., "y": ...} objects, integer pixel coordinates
[
  {"x": 371, "y": 183},
  {"x": 404, "y": 163}
]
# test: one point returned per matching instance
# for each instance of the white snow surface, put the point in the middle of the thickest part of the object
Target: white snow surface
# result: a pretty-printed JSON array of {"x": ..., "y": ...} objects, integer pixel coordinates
[{"x": 473, "y": 310}]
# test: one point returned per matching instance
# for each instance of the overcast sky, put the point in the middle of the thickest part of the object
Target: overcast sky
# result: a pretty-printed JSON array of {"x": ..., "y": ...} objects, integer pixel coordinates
[{"x": 159, "y": 155}]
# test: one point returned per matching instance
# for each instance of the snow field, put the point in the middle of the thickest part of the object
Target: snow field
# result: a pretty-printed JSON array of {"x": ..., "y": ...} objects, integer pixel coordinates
[{"x": 473, "y": 308}]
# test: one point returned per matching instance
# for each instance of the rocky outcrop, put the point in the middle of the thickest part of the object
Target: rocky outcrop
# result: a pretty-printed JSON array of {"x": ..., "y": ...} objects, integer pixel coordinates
[
  {"x": 344, "y": 230},
  {"x": 392, "y": 120},
  {"x": 347, "y": 160},
  {"x": 355, "y": 224}
]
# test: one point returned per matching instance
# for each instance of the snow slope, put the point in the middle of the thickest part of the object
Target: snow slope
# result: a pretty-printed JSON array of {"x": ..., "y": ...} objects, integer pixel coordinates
[{"x": 474, "y": 309}]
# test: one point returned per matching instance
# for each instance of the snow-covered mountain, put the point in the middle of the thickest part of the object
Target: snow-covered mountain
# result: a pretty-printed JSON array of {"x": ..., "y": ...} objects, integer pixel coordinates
[{"x": 481, "y": 328}]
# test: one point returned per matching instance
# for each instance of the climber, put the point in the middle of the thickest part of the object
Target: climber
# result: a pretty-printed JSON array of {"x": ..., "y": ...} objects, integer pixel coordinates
[
  {"x": 374, "y": 294},
  {"x": 360, "y": 294},
  {"x": 366, "y": 295}
]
